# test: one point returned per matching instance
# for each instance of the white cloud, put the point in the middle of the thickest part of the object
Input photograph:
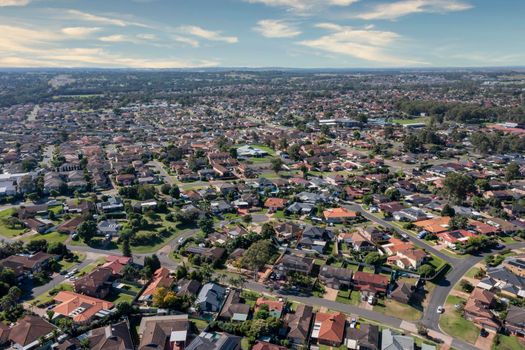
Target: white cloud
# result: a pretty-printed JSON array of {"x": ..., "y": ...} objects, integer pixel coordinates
[
  {"x": 79, "y": 32},
  {"x": 271, "y": 28},
  {"x": 4, "y": 3},
  {"x": 303, "y": 5},
  {"x": 28, "y": 47},
  {"x": 151, "y": 37},
  {"x": 116, "y": 38},
  {"x": 89, "y": 17},
  {"x": 208, "y": 34},
  {"x": 406, "y": 7},
  {"x": 185, "y": 40},
  {"x": 365, "y": 44}
]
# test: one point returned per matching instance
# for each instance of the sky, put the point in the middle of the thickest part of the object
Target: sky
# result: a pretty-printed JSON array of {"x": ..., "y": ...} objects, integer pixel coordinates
[{"x": 262, "y": 33}]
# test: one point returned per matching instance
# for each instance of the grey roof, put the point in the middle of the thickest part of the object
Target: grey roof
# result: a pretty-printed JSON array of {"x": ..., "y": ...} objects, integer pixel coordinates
[
  {"x": 211, "y": 294},
  {"x": 391, "y": 341},
  {"x": 210, "y": 341},
  {"x": 502, "y": 274}
]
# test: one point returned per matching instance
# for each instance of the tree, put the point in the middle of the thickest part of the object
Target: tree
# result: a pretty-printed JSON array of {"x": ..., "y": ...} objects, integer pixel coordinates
[
  {"x": 448, "y": 210},
  {"x": 456, "y": 186},
  {"x": 57, "y": 248},
  {"x": 512, "y": 171},
  {"x": 205, "y": 223},
  {"x": 175, "y": 191},
  {"x": 152, "y": 263},
  {"x": 258, "y": 255},
  {"x": 267, "y": 230},
  {"x": 126, "y": 247},
  {"x": 458, "y": 222},
  {"x": 37, "y": 245},
  {"x": 374, "y": 258},
  {"x": 233, "y": 152},
  {"x": 277, "y": 164},
  {"x": 422, "y": 329},
  {"x": 165, "y": 189},
  {"x": 426, "y": 270},
  {"x": 238, "y": 281},
  {"x": 87, "y": 230}
]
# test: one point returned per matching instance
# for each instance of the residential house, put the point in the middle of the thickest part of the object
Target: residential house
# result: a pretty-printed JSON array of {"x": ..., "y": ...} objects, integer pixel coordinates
[
  {"x": 164, "y": 332},
  {"x": 373, "y": 234},
  {"x": 435, "y": 225},
  {"x": 161, "y": 279},
  {"x": 410, "y": 258},
  {"x": 300, "y": 264},
  {"x": 339, "y": 215},
  {"x": 233, "y": 309},
  {"x": 210, "y": 297},
  {"x": 189, "y": 288},
  {"x": 29, "y": 331},
  {"x": 329, "y": 328},
  {"x": 96, "y": 284},
  {"x": 298, "y": 324},
  {"x": 262, "y": 345},
  {"x": 275, "y": 307},
  {"x": 274, "y": 203},
  {"x": 335, "y": 277},
  {"x": 404, "y": 293},
  {"x": 515, "y": 320},
  {"x": 364, "y": 337},
  {"x": 113, "y": 336},
  {"x": 215, "y": 341},
  {"x": 27, "y": 264},
  {"x": 391, "y": 341},
  {"x": 287, "y": 231},
  {"x": 357, "y": 242},
  {"x": 370, "y": 283},
  {"x": 477, "y": 309},
  {"x": 81, "y": 308}
]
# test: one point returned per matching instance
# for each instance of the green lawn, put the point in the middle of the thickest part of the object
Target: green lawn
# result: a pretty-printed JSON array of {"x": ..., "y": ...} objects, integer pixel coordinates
[
  {"x": 472, "y": 272},
  {"x": 66, "y": 265},
  {"x": 508, "y": 343},
  {"x": 48, "y": 296},
  {"x": 411, "y": 121},
  {"x": 395, "y": 309},
  {"x": 52, "y": 237},
  {"x": 348, "y": 297},
  {"x": 453, "y": 323},
  {"x": 199, "y": 323},
  {"x": 4, "y": 229},
  {"x": 117, "y": 298}
]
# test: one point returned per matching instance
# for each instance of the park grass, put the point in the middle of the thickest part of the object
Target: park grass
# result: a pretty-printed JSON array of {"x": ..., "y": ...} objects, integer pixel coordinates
[
  {"x": 4, "y": 229},
  {"x": 506, "y": 342},
  {"x": 52, "y": 237},
  {"x": 395, "y": 309},
  {"x": 411, "y": 121},
  {"x": 453, "y": 323}
]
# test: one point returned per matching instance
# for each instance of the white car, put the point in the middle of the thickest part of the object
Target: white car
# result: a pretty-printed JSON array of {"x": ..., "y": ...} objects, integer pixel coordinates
[{"x": 440, "y": 309}]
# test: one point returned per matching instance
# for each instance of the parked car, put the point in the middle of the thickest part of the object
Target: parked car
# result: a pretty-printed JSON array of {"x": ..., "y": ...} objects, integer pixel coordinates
[{"x": 440, "y": 309}]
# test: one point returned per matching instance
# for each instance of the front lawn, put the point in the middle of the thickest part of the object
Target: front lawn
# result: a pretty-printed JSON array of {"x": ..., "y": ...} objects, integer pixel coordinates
[
  {"x": 505, "y": 342},
  {"x": 7, "y": 231},
  {"x": 47, "y": 297},
  {"x": 52, "y": 237},
  {"x": 453, "y": 323},
  {"x": 396, "y": 309},
  {"x": 348, "y": 297}
]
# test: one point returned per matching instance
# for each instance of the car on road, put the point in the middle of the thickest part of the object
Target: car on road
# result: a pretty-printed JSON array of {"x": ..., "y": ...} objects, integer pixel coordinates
[
  {"x": 440, "y": 309},
  {"x": 181, "y": 240}
]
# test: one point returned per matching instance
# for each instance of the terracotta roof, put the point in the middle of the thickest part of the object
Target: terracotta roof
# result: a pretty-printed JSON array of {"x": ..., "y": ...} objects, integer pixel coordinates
[
  {"x": 332, "y": 326},
  {"x": 339, "y": 213},
  {"x": 161, "y": 278},
  {"x": 70, "y": 301},
  {"x": 275, "y": 202},
  {"x": 435, "y": 225}
]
